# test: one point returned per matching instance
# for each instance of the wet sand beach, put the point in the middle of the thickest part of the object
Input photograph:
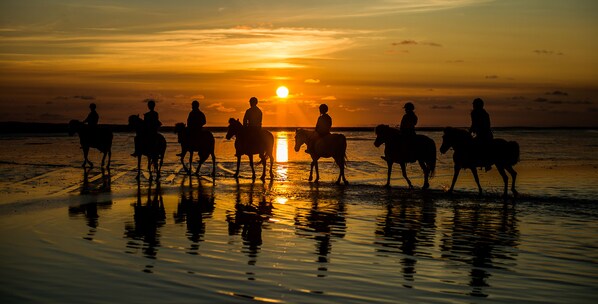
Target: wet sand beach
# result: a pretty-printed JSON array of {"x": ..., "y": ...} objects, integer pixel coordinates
[{"x": 70, "y": 235}]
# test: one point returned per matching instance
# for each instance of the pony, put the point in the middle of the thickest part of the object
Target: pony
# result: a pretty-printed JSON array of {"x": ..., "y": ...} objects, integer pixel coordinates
[
  {"x": 504, "y": 154},
  {"x": 99, "y": 138},
  {"x": 245, "y": 144},
  {"x": 151, "y": 145},
  {"x": 202, "y": 143},
  {"x": 333, "y": 145},
  {"x": 423, "y": 150}
]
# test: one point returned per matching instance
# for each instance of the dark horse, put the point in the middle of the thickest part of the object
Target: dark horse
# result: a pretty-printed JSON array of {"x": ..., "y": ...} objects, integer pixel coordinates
[
  {"x": 152, "y": 146},
  {"x": 100, "y": 139},
  {"x": 246, "y": 145},
  {"x": 397, "y": 150},
  {"x": 202, "y": 143},
  {"x": 333, "y": 145},
  {"x": 504, "y": 154}
]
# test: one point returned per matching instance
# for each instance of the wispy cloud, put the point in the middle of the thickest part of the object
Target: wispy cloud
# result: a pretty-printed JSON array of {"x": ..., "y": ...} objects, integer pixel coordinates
[
  {"x": 557, "y": 93},
  {"x": 312, "y": 80},
  {"x": 413, "y": 42},
  {"x": 548, "y": 52},
  {"x": 219, "y": 106},
  {"x": 441, "y": 107},
  {"x": 328, "y": 98}
]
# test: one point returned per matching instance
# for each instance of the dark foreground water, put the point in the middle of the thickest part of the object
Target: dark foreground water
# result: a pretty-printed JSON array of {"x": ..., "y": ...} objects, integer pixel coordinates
[{"x": 70, "y": 236}]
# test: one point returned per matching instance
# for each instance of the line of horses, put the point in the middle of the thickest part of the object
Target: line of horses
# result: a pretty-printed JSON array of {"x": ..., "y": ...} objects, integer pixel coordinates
[{"x": 398, "y": 149}]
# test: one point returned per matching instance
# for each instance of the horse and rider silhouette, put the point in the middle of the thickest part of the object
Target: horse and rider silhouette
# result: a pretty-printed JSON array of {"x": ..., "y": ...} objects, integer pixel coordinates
[{"x": 194, "y": 138}]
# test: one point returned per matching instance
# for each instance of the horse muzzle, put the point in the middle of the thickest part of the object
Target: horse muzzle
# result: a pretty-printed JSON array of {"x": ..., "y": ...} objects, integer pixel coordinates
[
  {"x": 443, "y": 149},
  {"x": 378, "y": 143}
]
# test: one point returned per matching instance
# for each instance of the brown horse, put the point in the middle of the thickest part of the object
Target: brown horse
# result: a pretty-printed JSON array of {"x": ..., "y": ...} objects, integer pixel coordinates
[
  {"x": 422, "y": 150},
  {"x": 100, "y": 139},
  {"x": 333, "y": 145},
  {"x": 246, "y": 143},
  {"x": 202, "y": 143},
  {"x": 504, "y": 154},
  {"x": 151, "y": 145}
]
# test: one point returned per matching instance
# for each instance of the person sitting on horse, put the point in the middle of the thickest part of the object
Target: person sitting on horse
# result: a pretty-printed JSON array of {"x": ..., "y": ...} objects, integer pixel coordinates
[
  {"x": 253, "y": 119},
  {"x": 480, "y": 129},
  {"x": 323, "y": 127},
  {"x": 92, "y": 119},
  {"x": 152, "y": 123},
  {"x": 408, "y": 121},
  {"x": 195, "y": 121}
]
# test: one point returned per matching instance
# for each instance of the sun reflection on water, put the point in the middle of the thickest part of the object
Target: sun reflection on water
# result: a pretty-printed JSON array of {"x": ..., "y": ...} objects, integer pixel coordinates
[{"x": 282, "y": 148}]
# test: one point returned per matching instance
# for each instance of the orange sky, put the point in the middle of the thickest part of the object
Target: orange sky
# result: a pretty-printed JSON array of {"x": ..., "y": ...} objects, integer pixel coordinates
[{"x": 533, "y": 62}]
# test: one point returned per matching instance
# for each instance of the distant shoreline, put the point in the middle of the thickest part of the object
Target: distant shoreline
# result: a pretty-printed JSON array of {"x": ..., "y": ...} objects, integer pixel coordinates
[{"x": 13, "y": 127}]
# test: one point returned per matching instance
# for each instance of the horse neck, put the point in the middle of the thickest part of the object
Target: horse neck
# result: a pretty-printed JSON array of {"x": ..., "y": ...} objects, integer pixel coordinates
[{"x": 462, "y": 141}]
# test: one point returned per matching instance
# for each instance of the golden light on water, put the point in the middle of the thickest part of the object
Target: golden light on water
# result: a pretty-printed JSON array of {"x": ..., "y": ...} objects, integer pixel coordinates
[{"x": 282, "y": 148}]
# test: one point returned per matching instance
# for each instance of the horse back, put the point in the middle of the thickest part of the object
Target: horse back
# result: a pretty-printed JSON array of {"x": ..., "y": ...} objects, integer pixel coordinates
[{"x": 505, "y": 152}]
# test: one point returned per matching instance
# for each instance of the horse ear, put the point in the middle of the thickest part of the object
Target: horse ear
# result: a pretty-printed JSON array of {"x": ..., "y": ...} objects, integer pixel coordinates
[{"x": 238, "y": 120}]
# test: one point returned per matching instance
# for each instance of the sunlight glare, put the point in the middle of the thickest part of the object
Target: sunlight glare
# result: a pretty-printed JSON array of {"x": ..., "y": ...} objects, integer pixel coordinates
[
  {"x": 282, "y": 149},
  {"x": 282, "y": 92}
]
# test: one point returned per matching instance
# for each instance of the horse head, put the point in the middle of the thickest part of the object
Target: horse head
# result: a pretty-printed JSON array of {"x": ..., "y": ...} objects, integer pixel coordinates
[
  {"x": 74, "y": 127},
  {"x": 300, "y": 138},
  {"x": 381, "y": 135},
  {"x": 234, "y": 126},
  {"x": 453, "y": 137}
]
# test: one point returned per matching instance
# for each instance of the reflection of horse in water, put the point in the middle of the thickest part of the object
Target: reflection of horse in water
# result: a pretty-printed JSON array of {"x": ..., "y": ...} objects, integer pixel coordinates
[
  {"x": 468, "y": 155},
  {"x": 202, "y": 143},
  {"x": 249, "y": 142},
  {"x": 148, "y": 218},
  {"x": 151, "y": 145},
  {"x": 248, "y": 219},
  {"x": 400, "y": 149},
  {"x": 98, "y": 138},
  {"x": 195, "y": 205},
  {"x": 333, "y": 145}
]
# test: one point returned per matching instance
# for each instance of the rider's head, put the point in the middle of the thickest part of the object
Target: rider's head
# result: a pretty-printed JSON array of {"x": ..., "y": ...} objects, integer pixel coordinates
[
  {"x": 253, "y": 101},
  {"x": 409, "y": 106},
  {"x": 478, "y": 103},
  {"x": 92, "y": 106},
  {"x": 151, "y": 104},
  {"x": 195, "y": 104},
  {"x": 323, "y": 108}
]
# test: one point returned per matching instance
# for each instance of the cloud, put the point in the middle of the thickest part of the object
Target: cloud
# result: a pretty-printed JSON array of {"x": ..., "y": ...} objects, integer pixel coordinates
[
  {"x": 328, "y": 98},
  {"x": 570, "y": 102},
  {"x": 547, "y": 52},
  {"x": 413, "y": 42},
  {"x": 221, "y": 108},
  {"x": 312, "y": 80},
  {"x": 352, "y": 110},
  {"x": 442, "y": 107},
  {"x": 491, "y": 77},
  {"x": 84, "y": 97},
  {"x": 557, "y": 93},
  {"x": 198, "y": 97}
]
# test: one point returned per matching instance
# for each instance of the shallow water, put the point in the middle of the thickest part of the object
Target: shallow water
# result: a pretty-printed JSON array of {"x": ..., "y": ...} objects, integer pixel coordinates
[{"x": 73, "y": 237}]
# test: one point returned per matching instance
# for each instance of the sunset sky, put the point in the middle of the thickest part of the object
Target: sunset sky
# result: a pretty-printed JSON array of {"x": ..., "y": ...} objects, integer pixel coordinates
[{"x": 534, "y": 62}]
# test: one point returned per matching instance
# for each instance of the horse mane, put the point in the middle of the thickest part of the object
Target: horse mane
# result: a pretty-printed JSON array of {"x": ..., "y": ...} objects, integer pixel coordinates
[
  {"x": 233, "y": 121},
  {"x": 380, "y": 129}
]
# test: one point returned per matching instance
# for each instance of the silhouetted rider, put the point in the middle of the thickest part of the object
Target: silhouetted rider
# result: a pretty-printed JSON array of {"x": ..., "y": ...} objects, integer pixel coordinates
[
  {"x": 152, "y": 123},
  {"x": 480, "y": 129},
  {"x": 409, "y": 120},
  {"x": 253, "y": 121},
  {"x": 195, "y": 121},
  {"x": 93, "y": 117},
  {"x": 323, "y": 126}
]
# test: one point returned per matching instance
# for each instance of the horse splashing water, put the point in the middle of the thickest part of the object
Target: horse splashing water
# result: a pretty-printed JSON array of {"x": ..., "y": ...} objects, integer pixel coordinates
[
  {"x": 250, "y": 142},
  {"x": 401, "y": 149},
  {"x": 333, "y": 145},
  {"x": 467, "y": 155}
]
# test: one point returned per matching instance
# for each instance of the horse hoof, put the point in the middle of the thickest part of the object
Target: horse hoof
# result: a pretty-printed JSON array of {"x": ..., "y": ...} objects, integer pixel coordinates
[
  {"x": 426, "y": 186},
  {"x": 346, "y": 183},
  {"x": 387, "y": 186}
]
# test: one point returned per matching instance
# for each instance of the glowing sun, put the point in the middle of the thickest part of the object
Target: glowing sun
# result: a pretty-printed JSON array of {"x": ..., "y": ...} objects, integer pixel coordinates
[{"x": 282, "y": 92}]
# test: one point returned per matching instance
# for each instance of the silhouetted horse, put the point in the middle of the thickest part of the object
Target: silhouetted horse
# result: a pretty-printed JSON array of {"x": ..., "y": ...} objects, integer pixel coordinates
[
  {"x": 245, "y": 144},
  {"x": 503, "y": 154},
  {"x": 422, "y": 150},
  {"x": 99, "y": 138},
  {"x": 333, "y": 145},
  {"x": 202, "y": 143},
  {"x": 151, "y": 145}
]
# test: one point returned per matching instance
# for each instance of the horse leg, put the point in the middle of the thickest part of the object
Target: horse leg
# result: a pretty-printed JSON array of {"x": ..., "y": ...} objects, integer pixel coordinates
[
  {"x": 138, "y": 167},
  {"x": 456, "y": 169},
  {"x": 236, "y": 175},
  {"x": 404, "y": 171},
  {"x": 311, "y": 171},
  {"x": 149, "y": 167},
  {"x": 159, "y": 166},
  {"x": 389, "y": 172},
  {"x": 182, "y": 158},
  {"x": 513, "y": 177},
  {"x": 202, "y": 159},
  {"x": 213, "y": 165},
  {"x": 317, "y": 171},
  {"x": 505, "y": 179},
  {"x": 474, "y": 171},
  {"x": 422, "y": 164},
  {"x": 271, "y": 164},
  {"x": 109, "y": 158},
  {"x": 103, "y": 159},
  {"x": 85, "y": 160},
  {"x": 251, "y": 165},
  {"x": 190, "y": 162}
]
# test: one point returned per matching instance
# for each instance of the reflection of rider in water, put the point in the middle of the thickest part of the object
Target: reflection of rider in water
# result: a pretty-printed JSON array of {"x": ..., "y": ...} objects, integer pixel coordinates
[
  {"x": 323, "y": 127},
  {"x": 480, "y": 127},
  {"x": 152, "y": 123}
]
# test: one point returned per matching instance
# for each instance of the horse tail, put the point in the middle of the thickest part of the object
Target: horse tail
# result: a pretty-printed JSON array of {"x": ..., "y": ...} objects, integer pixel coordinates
[{"x": 512, "y": 153}]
